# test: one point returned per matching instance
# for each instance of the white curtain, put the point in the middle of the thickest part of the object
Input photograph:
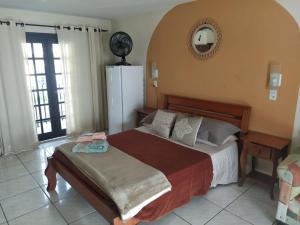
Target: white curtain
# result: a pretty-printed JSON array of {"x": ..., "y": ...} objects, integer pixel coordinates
[
  {"x": 17, "y": 127},
  {"x": 84, "y": 83}
]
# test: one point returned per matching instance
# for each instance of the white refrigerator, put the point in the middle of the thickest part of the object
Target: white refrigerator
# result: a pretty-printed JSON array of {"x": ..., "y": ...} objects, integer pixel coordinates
[{"x": 125, "y": 94}]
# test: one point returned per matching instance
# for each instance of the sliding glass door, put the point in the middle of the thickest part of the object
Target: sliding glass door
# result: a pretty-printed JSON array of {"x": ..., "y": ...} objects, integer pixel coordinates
[{"x": 47, "y": 86}]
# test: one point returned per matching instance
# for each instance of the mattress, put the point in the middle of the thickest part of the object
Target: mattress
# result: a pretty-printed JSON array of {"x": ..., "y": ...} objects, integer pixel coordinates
[{"x": 224, "y": 159}]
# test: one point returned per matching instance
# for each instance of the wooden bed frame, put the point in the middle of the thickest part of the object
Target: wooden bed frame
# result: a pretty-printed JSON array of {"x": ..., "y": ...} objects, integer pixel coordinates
[{"x": 235, "y": 114}]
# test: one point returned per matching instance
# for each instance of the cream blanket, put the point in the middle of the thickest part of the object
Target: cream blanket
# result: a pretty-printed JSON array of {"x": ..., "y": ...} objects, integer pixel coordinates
[{"x": 130, "y": 183}]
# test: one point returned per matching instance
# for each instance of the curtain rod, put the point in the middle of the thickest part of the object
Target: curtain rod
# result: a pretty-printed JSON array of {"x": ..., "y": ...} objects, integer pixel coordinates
[{"x": 51, "y": 26}]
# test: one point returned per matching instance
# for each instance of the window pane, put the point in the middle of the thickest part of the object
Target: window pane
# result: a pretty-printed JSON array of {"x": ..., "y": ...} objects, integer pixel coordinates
[
  {"x": 38, "y": 50},
  {"x": 36, "y": 113},
  {"x": 38, "y": 128},
  {"x": 63, "y": 123},
  {"x": 57, "y": 65},
  {"x": 56, "y": 51},
  {"x": 42, "y": 83},
  {"x": 59, "y": 81},
  {"x": 47, "y": 126},
  {"x": 62, "y": 109},
  {"x": 60, "y": 94},
  {"x": 45, "y": 112},
  {"x": 43, "y": 95},
  {"x": 34, "y": 98},
  {"x": 32, "y": 82},
  {"x": 40, "y": 66},
  {"x": 30, "y": 69},
  {"x": 28, "y": 50}
]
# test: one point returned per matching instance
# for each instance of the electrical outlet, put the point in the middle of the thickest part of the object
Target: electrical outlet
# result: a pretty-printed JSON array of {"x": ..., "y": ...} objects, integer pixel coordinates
[{"x": 273, "y": 95}]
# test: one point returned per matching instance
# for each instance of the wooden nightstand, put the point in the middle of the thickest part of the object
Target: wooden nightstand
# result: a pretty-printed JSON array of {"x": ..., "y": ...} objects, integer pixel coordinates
[
  {"x": 142, "y": 113},
  {"x": 265, "y": 147}
]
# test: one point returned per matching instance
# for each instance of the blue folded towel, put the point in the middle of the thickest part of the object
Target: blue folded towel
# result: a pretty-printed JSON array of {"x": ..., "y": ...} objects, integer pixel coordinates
[{"x": 93, "y": 147}]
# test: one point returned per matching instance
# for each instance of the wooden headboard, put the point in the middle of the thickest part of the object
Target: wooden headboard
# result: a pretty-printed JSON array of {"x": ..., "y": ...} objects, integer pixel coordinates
[{"x": 237, "y": 115}]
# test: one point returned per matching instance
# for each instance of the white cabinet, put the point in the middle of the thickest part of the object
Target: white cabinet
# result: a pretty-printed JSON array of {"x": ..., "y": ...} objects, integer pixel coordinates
[{"x": 125, "y": 94}]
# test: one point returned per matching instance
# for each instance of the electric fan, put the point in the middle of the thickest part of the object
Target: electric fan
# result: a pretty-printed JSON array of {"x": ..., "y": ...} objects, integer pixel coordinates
[{"x": 121, "y": 46}]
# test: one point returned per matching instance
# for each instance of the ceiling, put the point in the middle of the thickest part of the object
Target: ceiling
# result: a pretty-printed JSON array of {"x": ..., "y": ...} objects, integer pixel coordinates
[{"x": 108, "y": 9}]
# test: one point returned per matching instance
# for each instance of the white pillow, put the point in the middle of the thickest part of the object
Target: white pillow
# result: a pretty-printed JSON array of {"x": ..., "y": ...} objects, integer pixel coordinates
[{"x": 230, "y": 138}]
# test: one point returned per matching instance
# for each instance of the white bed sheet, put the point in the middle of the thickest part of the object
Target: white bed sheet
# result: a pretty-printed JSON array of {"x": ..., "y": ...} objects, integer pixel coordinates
[{"x": 224, "y": 159}]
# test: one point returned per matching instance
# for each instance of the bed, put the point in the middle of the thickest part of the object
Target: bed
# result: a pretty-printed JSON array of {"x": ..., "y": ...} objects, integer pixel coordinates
[{"x": 182, "y": 175}]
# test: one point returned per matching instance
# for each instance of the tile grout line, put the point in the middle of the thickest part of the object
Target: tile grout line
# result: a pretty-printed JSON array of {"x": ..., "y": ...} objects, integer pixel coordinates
[
  {"x": 83, "y": 217},
  {"x": 224, "y": 208},
  {"x": 38, "y": 187},
  {"x": 221, "y": 207},
  {"x": 11, "y": 196},
  {"x": 24, "y": 175},
  {"x": 58, "y": 211},
  {"x": 1, "y": 208},
  {"x": 51, "y": 203},
  {"x": 24, "y": 165},
  {"x": 214, "y": 216},
  {"x": 239, "y": 217},
  {"x": 181, "y": 218},
  {"x": 27, "y": 213},
  {"x": 242, "y": 194},
  {"x": 260, "y": 200}
]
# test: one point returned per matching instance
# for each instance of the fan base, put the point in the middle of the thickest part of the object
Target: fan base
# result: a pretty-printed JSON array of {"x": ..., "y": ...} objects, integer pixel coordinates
[{"x": 123, "y": 64}]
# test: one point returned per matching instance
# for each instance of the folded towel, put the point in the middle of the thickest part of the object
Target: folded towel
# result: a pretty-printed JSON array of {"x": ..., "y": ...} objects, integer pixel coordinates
[
  {"x": 91, "y": 137},
  {"x": 93, "y": 147},
  {"x": 99, "y": 136},
  {"x": 83, "y": 139}
]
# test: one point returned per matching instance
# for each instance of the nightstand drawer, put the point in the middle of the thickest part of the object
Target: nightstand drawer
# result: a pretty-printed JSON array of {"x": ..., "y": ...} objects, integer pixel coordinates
[{"x": 259, "y": 151}]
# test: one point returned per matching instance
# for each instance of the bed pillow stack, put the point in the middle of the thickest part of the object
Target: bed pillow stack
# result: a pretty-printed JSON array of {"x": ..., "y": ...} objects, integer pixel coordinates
[{"x": 190, "y": 129}]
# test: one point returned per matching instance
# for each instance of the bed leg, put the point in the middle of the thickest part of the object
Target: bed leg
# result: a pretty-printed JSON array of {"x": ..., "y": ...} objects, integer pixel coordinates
[
  {"x": 50, "y": 173},
  {"x": 118, "y": 221}
]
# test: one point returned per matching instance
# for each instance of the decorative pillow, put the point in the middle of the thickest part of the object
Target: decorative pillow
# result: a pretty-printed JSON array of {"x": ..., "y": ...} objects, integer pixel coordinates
[
  {"x": 218, "y": 131},
  {"x": 163, "y": 123},
  {"x": 186, "y": 129}
]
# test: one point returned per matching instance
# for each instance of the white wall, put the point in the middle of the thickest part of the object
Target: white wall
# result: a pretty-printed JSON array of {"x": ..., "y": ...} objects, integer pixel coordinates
[
  {"x": 293, "y": 7},
  {"x": 34, "y": 17},
  {"x": 51, "y": 18},
  {"x": 140, "y": 28}
]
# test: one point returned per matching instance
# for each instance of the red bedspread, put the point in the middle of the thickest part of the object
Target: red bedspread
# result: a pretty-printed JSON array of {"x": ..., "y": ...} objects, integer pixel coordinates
[{"x": 190, "y": 172}]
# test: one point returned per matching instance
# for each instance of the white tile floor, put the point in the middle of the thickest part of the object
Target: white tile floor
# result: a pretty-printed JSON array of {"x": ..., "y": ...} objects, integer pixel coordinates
[{"x": 25, "y": 201}]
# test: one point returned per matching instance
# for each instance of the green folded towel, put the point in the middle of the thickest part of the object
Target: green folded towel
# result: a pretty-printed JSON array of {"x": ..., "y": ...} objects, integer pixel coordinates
[{"x": 93, "y": 147}]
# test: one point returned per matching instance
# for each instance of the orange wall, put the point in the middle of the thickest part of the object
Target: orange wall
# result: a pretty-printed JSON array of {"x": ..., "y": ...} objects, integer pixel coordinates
[{"x": 255, "y": 33}]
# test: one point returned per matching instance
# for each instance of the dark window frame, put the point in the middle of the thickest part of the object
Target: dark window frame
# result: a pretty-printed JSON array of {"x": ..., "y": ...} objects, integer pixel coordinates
[{"x": 47, "y": 40}]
